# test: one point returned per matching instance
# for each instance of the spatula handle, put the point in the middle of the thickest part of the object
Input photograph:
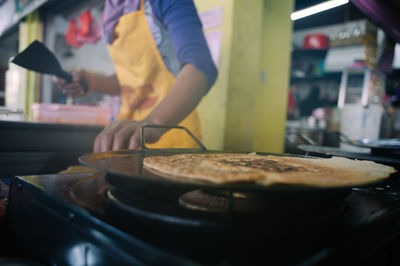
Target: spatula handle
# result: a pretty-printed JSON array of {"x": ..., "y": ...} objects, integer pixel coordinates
[
  {"x": 65, "y": 75},
  {"x": 68, "y": 78}
]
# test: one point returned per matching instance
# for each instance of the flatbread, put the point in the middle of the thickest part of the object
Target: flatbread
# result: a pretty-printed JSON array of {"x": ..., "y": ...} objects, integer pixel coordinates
[{"x": 221, "y": 168}]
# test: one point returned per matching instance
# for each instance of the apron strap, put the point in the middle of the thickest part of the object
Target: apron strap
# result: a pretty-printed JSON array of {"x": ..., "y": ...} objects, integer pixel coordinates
[{"x": 141, "y": 6}]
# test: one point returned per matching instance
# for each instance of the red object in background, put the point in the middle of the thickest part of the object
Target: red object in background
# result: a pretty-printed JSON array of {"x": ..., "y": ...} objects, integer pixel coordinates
[
  {"x": 71, "y": 36},
  {"x": 291, "y": 101},
  {"x": 86, "y": 20},
  {"x": 316, "y": 41},
  {"x": 87, "y": 32}
]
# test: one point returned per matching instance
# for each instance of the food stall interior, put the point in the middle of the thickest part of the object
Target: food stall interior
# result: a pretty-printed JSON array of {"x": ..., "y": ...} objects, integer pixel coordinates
[{"x": 344, "y": 85}]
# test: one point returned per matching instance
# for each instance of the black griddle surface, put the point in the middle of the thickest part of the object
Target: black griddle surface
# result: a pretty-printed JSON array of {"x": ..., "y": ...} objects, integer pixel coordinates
[{"x": 125, "y": 169}]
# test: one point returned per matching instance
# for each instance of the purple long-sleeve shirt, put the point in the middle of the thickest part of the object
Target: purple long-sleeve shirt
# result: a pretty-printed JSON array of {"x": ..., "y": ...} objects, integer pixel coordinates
[{"x": 176, "y": 29}]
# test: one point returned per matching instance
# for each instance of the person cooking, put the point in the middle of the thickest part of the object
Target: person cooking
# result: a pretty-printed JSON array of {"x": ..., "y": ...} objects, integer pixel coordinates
[{"x": 163, "y": 69}]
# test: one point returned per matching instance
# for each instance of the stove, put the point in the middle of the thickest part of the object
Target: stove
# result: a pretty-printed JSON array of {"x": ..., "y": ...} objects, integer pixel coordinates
[
  {"x": 80, "y": 219},
  {"x": 97, "y": 219}
]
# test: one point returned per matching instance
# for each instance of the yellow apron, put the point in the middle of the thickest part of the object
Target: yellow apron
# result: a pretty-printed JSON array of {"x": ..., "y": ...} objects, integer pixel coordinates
[{"x": 144, "y": 78}]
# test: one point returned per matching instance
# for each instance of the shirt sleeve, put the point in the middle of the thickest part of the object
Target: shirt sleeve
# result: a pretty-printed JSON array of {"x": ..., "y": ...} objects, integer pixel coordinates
[{"x": 186, "y": 31}]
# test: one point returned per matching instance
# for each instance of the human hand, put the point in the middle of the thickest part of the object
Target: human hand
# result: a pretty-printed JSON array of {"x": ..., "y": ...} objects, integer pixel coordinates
[
  {"x": 79, "y": 85},
  {"x": 124, "y": 134}
]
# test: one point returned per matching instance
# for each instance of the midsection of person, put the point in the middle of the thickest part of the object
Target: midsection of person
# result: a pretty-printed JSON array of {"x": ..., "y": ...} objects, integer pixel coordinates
[
  {"x": 163, "y": 69},
  {"x": 144, "y": 77}
]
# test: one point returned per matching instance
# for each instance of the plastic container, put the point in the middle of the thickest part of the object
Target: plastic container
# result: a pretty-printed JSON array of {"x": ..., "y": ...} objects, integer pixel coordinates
[
  {"x": 11, "y": 114},
  {"x": 71, "y": 114}
]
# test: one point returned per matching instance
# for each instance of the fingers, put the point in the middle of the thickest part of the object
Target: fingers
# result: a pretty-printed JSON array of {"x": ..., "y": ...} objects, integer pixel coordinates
[
  {"x": 104, "y": 141},
  {"x": 151, "y": 135},
  {"x": 74, "y": 88},
  {"x": 124, "y": 134},
  {"x": 123, "y": 137},
  {"x": 134, "y": 141},
  {"x": 76, "y": 76},
  {"x": 59, "y": 81},
  {"x": 97, "y": 144},
  {"x": 116, "y": 136}
]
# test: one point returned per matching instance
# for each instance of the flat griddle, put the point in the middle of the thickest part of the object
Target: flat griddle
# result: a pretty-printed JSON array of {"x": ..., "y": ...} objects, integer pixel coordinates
[
  {"x": 337, "y": 151},
  {"x": 386, "y": 144},
  {"x": 125, "y": 168}
]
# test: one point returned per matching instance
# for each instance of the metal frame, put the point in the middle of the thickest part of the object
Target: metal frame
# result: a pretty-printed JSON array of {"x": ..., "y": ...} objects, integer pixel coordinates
[{"x": 143, "y": 138}]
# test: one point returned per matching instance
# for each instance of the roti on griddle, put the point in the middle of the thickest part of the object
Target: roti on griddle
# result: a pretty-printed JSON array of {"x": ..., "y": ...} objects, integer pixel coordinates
[{"x": 222, "y": 168}]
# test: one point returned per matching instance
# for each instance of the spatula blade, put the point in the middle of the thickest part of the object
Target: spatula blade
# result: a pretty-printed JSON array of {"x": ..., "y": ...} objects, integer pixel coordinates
[{"x": 39, "y": 58}]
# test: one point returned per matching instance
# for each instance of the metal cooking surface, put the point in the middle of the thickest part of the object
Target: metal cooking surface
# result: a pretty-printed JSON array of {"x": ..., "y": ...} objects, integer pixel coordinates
[
  {"x": 336, "y": 151},
  {"x": 125, "y": 168},
  {"x": 380, "y": 143}
]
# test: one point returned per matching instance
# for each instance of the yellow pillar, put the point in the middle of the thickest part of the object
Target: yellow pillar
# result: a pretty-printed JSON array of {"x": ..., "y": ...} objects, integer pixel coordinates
[
  {"x": 226, "y": 112},
  {"x": 212, "y": 108},
  {"x": 246, "y": 111},
  {"x": 243, "y": 74},
  {"x": 29, "y": 30},
  {"x": 271, "y": 98}
]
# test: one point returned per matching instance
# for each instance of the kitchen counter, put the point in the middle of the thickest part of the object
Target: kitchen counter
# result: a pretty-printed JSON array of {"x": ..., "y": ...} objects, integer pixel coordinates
[{"x": 35, "y": 148}]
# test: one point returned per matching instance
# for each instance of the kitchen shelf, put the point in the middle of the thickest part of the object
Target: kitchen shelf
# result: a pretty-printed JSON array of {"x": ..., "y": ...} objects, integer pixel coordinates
[
  {"x": 327, "y": 76},
  {"x": 13, "y": 17},
  {"x": 309, "y": 52},
  {"x": 309, "y": 61}
]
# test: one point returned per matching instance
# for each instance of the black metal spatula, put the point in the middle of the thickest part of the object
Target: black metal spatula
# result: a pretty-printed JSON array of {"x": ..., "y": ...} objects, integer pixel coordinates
[{"x": 39, "y": 58}]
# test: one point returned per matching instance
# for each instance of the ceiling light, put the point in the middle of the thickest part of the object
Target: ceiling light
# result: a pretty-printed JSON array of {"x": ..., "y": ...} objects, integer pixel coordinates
[{"x": 317, "y": 8}]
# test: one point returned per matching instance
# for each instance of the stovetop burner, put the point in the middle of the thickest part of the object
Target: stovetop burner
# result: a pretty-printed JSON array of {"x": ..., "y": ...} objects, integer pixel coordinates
[
  {"x": 228, "y": 210},
  {"x": 166, "y": 223},
  {"x": 222, "y": 201}
]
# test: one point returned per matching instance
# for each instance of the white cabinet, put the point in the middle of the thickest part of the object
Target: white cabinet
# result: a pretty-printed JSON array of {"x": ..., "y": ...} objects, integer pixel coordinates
[{"x": 360, "y": 103}]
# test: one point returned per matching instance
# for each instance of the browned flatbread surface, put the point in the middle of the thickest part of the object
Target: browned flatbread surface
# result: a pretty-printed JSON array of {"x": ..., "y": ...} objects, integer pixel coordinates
[{"x": 220, "y": 168}]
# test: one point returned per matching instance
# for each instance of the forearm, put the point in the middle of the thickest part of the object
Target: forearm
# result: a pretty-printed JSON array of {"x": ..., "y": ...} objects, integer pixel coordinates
[
  {"x": 103, "y": 84},
  {"x": 183, "y": 97}
]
